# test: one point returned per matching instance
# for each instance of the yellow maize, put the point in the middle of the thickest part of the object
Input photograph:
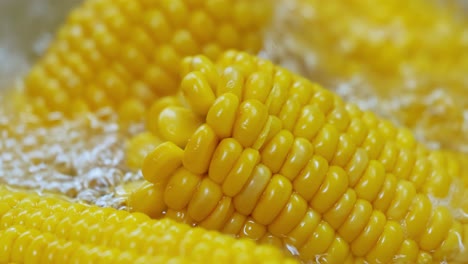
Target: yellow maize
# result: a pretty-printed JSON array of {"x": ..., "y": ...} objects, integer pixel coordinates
[
  {"x": 251, "y": 150},
  {"x": 49, "y": 229},
  {"x": 138, "y": 147},
  {"x": 124, "y": 54},
  {"x": 275, "y": 158},
  {"x": 401, "y": 58}
]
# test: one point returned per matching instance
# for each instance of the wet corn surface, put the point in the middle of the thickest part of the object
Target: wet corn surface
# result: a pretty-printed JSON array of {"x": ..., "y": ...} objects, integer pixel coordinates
[{"x": 405, "y": 64}]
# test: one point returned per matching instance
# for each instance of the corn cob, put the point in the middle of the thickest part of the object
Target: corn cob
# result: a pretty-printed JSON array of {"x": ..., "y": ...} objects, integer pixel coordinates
[
  {"x": 43, "y": 229},
  {"x": 401, "y": 59},
  {"x": 268, "y": 155},
  {"x": 123, "y": 54}
]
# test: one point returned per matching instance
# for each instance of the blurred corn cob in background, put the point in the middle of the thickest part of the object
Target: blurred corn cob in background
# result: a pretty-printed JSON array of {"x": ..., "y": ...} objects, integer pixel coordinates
[
  {"x": 406, "y": 60},
  {"x": 253, "y": 150},
  {"x": 125, "y": 54}
]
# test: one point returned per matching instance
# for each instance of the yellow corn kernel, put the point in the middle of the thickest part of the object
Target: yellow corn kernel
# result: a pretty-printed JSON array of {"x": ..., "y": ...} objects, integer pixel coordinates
[
  {"x": 438, "y": 184},
  {"x": 153, "y": 112},
  {"x": 272, "y": 127},
  {"x": 299, "y": 235},
  {"x": 340, "y": 118},
  {"x": 181, "y": 188},
  {"x": 162, "y": 162},
  {"x": 405, "y": 138},
  {"x": 231, "y": 81},
  {"x": 180, "y": 216},
  {"x": 35, "y": 250},
  {"x": 275, "y": 152},
  {"x": 203, "y": 65},
  {"x": 373, "y": 144},
  {"x": 252, "y": 230},
  {"x": 245, "y": 63},
  {"x": 165, "y": 56},
  {"x": 224, "y": 158},
  {"x": 198, "y": 92},
  {"x": 405, "y": 193},
  {"x": 212, "y": 50},
  {"x": 408, "y": 252},
  {"x": 199, "y": 150},
  {"x": 289, "y": 217},
  {"x": 246, "y": 200},
  {"x": 341, "y": 210},
  {"x": 335, "y": 180},
  {"x": 345, "y": 150},
  {"x": 258, "y": 86},
  {"x": 204, "y": 200},
  {"x": 252, "y": 116},
  {"x": 299, "y": 155},
  {"x": 8, "y": 237},
  {"x": 311, "y": 177},
  {"x": 148, "y": 199},
  {"x": 420, "y": 173},
  {"x": 437, "y": 230},
  {"x": 202, "y": 25},
  {"x": 302, "y": 90},
  {"x": 271, "y": 240},
  {"x": 451, "y": 242},
  {"x": 20, "y": 245},
  {"x": 358, "y": 131},
  {"x": 418, "y": 216},
  {"x": 240, "y": 172},
  {"x": 112, "y": 85},
  {"x": 388, "y": 156},
  {"x": 309, "y": 123},
  {"x": 156, "y": 76},
  {"x": 338, "y": 251},
  {"x": 318, "y": 243},
  {"x": 388, "y": 244},
  {"x": 273, "y": 200},
  {"x": 290, "y": 113},
  {"x": 279, "y": 92},
  {"x": 326, "y": 142},
  {"x": 177, "y": 124},
  {"x": 369, "y": 236},
  {"x": 222, "y": 114},
  {"x": 357, "y": 166},
  {"x": 356, "y": 221},
  {"x": 404, "y": 164},
  {"x": 138, "y": 148},
  {"x": 234, "y": 224},
  {"x": 424, "y": 257},
  {"x": 324, "y": 100},
  {"x": 370, "y": 119},
  {"x": 371, "y": 181},
  {"x": 184, "y": 42},
  {"x": 79, "y": 107},
  {"x": 386, "y": 194},
  {"x": 220, "y": 214}
]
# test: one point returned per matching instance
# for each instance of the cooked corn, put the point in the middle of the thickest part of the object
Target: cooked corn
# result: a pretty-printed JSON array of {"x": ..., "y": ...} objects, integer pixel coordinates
[
  {"x": 124, "y": 54},
  {"x": 41, "y": 229},
  {"x": 338, "y": 184},
  {"x": 401, "y": 59},
  {"x": 248, "y": 149}
]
